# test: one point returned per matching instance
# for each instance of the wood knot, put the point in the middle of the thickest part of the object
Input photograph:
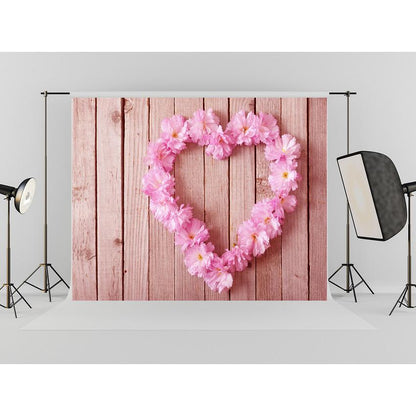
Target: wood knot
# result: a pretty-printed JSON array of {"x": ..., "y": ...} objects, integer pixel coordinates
[
  {"x": 118, "y": 241},
  {"x": 78, "y": 193},
  {"x": 116, "y": 116},
  {"x": 128, "y": 105},
  {"x": 88, "y": 254},
  {"x": 91, "y": 256}
]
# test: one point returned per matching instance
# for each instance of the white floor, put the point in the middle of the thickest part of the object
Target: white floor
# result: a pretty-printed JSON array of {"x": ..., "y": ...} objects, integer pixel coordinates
[
  {"x": 204, "y": 316},
  {"x": 332, "y": 332}
]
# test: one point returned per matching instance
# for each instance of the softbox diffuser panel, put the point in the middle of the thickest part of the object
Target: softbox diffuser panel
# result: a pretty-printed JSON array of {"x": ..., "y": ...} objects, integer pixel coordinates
[{"x": 375, "y": 194}]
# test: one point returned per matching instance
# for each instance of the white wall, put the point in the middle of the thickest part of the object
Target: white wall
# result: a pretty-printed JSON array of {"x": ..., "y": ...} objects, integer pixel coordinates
[{"x": 382, "y": 119}]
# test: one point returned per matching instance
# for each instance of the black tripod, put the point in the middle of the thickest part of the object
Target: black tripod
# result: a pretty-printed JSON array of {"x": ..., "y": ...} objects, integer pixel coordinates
[
  {"x": 350, "y": 285},
  {"x": 11, "y": 290},
  {"x": 408, "y": 287},
  {"x": 46, "y": 265}
]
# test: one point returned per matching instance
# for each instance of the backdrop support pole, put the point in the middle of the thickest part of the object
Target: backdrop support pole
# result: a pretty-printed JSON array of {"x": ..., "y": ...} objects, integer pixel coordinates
[
  {"x": 9, "y": 286},
  {"x": 409, "y": 255},
  {"x": 349, "y": 267},
  {"x": 347, "y": 243},
  {"x": 45, "y": 217},
  {"x": 46, "y": 265}
]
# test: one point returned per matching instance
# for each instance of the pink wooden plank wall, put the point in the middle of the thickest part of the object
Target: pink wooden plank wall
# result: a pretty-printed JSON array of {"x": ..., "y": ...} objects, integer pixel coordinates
[
  {"x": 190, "y": 192},
  {"x": 161, "y": 274},
  {"x": 109, "y": 199},
  {"x": 295, "y": 273},
  {"x": 217, "y": 195},
  {"x": 120, "y": 252},
  {"x": 317, "y": 151},
  {"x": 136, "y": 213},
  {"x": 242, "y": 199},
  {"x": 268, "y": 266},
  {"x": 84, "y": 244}
]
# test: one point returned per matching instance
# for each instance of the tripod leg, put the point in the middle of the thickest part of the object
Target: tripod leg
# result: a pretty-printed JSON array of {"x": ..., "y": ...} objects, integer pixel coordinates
[
  {"x": 352, "y": 283},
  {"x": 48, "y": 283},
  {"x": 403, "y": 296},
  {"x": 336, "y": 271},
  {"x": 60, "y": 277},
  {"x": 12, "y": 302},
  {"x": 22, "y": 297},
  {"x": 399, "y": 299},
  {"x": 362, "y": 278},
  {"x": 31, "y": 274}
]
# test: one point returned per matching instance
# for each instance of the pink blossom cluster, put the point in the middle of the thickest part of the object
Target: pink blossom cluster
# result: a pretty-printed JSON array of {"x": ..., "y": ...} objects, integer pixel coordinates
[{"x": 267, "y": 216}]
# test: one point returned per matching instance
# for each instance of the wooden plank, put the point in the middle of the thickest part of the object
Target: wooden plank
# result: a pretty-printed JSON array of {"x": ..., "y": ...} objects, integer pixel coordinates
[
  {"x": 242, "y": 198},
  {"x": 136, "y": 218},
  {"x": 189, "y": 177},
  {"x": 269, "y": 265},
  {"x": 217, "y": 195},
  {"x": 295, "y": 230},
  {"x": 317, "y": 137},
  {"x": 161, "y": 241},
  {"x": 109, "y": 199},
  {"x": 84, "y": 255}
]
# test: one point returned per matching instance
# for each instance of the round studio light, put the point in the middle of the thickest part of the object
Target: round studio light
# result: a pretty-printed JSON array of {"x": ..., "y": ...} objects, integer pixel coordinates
[{"x": 24, "y": 195}]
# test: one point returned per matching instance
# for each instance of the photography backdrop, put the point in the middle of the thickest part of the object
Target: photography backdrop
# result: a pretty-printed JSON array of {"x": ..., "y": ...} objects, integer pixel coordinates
[
  {"x": 120, "y": 252},
  {"x": 382, "y": 119}
]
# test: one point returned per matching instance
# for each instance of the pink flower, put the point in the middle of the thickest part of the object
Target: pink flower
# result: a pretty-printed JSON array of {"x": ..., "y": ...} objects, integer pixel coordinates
[
  {"x": 235, "y": 259},
  {"x": 194, "y": 232},
  {"x": 170, "y": 215},
  {"x": 158, "y": 184},
  {"x": 220, "y": 146},
  {"x": 289, "y": 203},
  {"x": 175, "y": 133},
  {"x": 244, "y": 130},
  {"x": 284, "y": 177},
  {"x": 198, "y": 258},
  {"x": 202, "y": 125},
  {"x": 263, "y": 214},
  {"x": 268, "y": 129},
  {"x": 225, "y": 281},
  {"x": 285, "y": 148},
  {"x": 159, "y": 155},
  {"x": 163, "y": 210},
  {"x": 217, "y": 277},
  {"x": 179, "y": 218},
  {"x": 252, "y": 238},
  {"x": 278, "y": 211}
]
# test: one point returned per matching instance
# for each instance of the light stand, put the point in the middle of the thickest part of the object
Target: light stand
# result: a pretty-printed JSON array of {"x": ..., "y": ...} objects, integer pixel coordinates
[
  {"x": 46, "y": 264},
  {"x": 22, "y": 202},
  {"x": 407, "y": 189},
  {"x": 349, "y": 267}
]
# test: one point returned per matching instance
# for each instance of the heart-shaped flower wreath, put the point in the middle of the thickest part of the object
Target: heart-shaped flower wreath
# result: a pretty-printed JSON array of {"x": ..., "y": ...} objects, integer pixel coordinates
[{"x": 267, "y": 216}]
